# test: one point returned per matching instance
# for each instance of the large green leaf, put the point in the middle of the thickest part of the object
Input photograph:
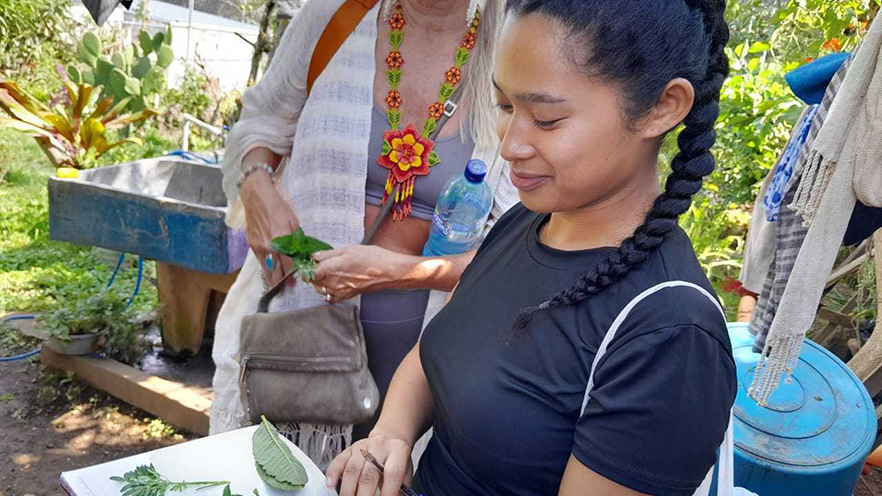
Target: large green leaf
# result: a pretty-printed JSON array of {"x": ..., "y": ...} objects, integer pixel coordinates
[
  {"x": 165, "y": 56},
  {"x": 146, "y": 42},
  {"x": 85, "y": 56},
  {"x": 104, "y": 68},
  {"x": 141, "y": 68},
  {"x": 117, "y": 80},
  {"x": 118, "y": 60},
  {"x": 132, "y": 86},
  {"x": 92, "y": 43},
  {"x": 274, "y": 461},
  {"x": 157, "y": 41}
]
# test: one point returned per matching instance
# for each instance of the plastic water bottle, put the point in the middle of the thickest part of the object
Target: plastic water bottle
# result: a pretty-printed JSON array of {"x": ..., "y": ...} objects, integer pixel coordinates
[{"x": 460, "y": 213}]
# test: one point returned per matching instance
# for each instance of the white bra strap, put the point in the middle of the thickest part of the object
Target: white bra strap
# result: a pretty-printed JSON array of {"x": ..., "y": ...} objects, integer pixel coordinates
[{"x": 611, "y": 333}]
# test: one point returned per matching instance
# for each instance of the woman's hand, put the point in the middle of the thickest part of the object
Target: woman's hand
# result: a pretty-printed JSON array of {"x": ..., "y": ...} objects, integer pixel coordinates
[
  {"x": 267, "y": 215},
  {"x": 356, "y": 269},
  {"x": 358, "y": 477}
]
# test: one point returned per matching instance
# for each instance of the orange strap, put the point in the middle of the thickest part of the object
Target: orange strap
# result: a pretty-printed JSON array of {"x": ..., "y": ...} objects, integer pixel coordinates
[{"x": 347, "y": 17}]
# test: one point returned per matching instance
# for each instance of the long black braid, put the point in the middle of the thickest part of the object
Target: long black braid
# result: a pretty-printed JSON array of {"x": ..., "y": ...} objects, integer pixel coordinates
[{"x": 642, "y": 45}]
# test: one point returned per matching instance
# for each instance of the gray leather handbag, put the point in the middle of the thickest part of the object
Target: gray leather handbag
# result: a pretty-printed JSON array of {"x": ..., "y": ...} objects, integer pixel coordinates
[{"x": 309, "y": 365}]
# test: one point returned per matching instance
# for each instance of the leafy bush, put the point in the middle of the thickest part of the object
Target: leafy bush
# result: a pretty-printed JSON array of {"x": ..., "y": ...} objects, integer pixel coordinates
[
  {"x": 107, "y": 314},
  {"x": 73, "y": 133},
  {"x": 133, "y": 74},
  {"x": 30, "y": 30}
]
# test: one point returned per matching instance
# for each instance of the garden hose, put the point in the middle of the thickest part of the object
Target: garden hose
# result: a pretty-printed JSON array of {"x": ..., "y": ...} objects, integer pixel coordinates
[
  {"x": 23, "y": 356},
  {"x": 119, "y": 262}
]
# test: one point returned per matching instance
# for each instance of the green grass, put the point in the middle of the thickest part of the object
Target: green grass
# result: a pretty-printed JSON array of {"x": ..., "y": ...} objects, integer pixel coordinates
[{"x": 36, "y": 273}]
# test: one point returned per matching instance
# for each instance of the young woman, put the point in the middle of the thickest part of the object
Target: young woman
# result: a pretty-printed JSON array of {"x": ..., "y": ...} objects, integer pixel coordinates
[{"x": 583, "y": 351}]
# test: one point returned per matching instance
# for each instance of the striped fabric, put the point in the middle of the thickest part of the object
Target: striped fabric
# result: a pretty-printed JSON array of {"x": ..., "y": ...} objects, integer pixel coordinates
[{"x": 790, "y": 232}]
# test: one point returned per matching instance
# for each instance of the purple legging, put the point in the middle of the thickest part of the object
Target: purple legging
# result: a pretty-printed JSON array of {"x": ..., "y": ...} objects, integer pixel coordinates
[{"x": 392, "y": 322}]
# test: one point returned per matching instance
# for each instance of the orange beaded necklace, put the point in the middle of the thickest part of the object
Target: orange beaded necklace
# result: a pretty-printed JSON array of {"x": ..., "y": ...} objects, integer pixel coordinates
[{"x": 407, "y": 153}]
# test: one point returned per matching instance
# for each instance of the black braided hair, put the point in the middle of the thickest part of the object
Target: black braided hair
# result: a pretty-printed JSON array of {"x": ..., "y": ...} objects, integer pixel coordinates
[{"x": 641, "y": 46}]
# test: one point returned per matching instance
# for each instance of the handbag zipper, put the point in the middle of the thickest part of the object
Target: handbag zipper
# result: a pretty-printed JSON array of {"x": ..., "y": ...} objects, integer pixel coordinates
[{"x": 282, "y": 361}]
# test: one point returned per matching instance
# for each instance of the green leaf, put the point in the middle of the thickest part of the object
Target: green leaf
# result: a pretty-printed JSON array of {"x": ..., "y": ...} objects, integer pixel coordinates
[
  {"x": 434, "y": 159},
  {"x": 462, "y": 56},
  {"x": 118, "y": 60},
  {"x": 157, "y": 41},
  {"x": 74, "y": 74},
  {"x": 85, "y": 55},
  {"x": 395, "y": 38},
  {"x": 386, "y": 147},
  {"x": 92, "y": 43},
  {"x": 117, "y": 80},
  {"x": 130, "y": 54},
  {"x": 104, "y": 68},
  {"x": 168, "y": 35},
  {"x": 274, "y": 461},
  {"x": 445, "y": 92},
  {"x": 298, "y": 245},
  {"x": 753, "y": 64},
  {"x": 429, "y": 127},
  {"x": 146, "y": 42},
  {"x": 142, "y": 67},
  {"x": 164, "y": 56},
  {"x": 759, "y": 47},
  {"x": 394, "y": 116},
  {"x": 393, "y": 77},
  {"x": 133, "y": 86}
]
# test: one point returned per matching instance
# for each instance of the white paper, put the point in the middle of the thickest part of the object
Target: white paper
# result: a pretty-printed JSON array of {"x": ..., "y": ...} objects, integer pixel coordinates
[{"x": 224, "y": 457}]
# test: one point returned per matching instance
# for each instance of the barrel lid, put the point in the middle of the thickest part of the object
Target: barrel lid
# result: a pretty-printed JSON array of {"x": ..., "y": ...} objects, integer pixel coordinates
[{"x": 822, "y": 416}]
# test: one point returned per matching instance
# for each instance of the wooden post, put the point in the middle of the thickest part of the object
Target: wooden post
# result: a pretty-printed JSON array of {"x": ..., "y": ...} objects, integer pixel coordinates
[
  {"x": 867, "y": 364},
  {"x": 185, "y": 295}
]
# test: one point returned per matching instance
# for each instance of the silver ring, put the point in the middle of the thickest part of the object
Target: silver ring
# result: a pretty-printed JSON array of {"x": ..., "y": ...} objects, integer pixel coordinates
[
  {"x": 324, "y": 291},
  {"x": 327, "y": 298}
]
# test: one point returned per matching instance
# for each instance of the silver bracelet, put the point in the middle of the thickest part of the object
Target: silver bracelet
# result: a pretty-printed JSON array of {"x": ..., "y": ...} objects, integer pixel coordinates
[{"x": 254, "y": 168}]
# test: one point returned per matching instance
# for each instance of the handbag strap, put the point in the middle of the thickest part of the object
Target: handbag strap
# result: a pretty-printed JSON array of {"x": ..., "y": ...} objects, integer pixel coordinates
[
  {"x": 450, "y": 107},
  {"x": 341, "y": 25}
]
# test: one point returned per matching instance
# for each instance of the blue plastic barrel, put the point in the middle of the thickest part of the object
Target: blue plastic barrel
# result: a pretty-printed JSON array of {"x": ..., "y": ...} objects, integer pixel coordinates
[{"x": 815, "y": 433}]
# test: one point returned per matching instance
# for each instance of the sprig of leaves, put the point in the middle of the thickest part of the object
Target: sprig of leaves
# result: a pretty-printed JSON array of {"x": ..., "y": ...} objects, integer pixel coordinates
[
  {"x": 146, "y": 481},
  {"x": 299, "y": 248}
]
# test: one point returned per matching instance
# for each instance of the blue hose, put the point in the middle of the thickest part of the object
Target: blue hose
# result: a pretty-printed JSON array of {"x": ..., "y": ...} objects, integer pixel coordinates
[
  {"x": 119, "y": 262},
  {"x": 23, "y": 356}
]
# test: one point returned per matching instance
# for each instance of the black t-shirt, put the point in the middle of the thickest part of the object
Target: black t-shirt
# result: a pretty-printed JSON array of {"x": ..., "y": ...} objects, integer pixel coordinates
[{"x": 507, "y": 404}]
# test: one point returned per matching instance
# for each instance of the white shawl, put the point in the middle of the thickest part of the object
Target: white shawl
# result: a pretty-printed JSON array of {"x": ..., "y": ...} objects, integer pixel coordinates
[{"x": 327, "y": 137}]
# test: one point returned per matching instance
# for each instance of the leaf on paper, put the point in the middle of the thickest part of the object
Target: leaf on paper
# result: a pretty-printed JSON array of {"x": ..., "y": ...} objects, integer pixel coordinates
[{"x": 274, "y": 461}]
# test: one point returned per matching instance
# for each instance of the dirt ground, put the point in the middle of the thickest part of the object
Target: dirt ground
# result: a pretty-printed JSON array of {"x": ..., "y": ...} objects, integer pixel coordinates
[
  {"x": 870, "y": 484},
  {"x": 50, "y": 423}
]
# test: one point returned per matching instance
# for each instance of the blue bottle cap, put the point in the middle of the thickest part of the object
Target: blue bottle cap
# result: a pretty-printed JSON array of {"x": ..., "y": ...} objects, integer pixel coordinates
[{"x": 475, "y": 171}]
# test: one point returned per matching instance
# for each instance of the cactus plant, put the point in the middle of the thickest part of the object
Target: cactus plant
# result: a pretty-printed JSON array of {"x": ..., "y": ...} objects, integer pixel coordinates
[
  {"x": 74, "y": 133},
  {"x": 134, "y": 74}
]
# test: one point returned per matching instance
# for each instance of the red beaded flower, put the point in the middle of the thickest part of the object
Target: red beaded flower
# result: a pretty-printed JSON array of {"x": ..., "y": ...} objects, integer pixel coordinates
[
  {"x": 436, "y": 110},
  {"x": 468, "y": 41},
  {"x": 394, "y": 60},
  {"x": 408, "y": 154},
  {"x": 396, "y": 21},
  {"x": 453, "y": 75},
  {"x": 393, "y": 99}
]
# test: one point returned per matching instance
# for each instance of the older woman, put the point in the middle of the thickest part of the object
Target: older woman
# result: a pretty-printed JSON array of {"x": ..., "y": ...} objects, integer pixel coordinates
[{"x": 332, "y": 185}]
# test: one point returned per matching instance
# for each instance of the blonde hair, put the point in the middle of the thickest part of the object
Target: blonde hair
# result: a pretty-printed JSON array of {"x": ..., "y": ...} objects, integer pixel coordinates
[{"x": 477, "y": 90}]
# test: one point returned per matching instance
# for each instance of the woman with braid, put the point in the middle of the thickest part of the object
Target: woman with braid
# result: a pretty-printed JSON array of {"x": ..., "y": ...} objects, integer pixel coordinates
[{"x": 583, "y": 352}]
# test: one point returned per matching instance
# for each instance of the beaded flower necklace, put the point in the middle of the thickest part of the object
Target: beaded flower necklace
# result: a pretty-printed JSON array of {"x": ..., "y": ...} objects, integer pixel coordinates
[{"x": 406, "y": 152}]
